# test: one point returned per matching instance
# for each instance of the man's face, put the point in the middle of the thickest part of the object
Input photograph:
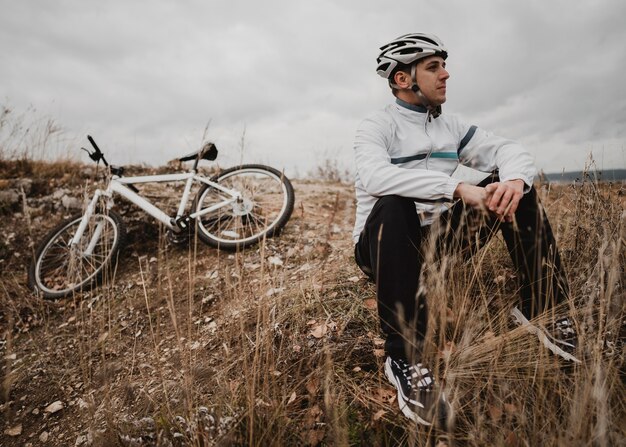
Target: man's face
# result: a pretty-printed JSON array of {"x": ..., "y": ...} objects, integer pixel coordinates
[{"x": 431, "y": 76}]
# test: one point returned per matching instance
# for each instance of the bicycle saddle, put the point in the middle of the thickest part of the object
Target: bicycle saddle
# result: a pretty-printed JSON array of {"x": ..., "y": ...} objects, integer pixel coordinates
[{"x": 208, "y": 152}]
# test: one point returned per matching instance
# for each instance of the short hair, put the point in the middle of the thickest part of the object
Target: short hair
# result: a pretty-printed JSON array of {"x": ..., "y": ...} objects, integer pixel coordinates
[
  {"x": 406, "y": 68},
  {"x": 400, "y": 67}
]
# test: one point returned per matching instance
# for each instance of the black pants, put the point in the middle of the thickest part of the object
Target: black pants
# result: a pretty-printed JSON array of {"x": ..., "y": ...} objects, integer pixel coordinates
[{"x": 390, "y": 251}]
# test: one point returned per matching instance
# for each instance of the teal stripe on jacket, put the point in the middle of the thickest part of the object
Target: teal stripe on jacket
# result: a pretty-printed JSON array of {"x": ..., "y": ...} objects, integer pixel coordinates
[
  {"x": 400, "y": 160},
  {"x": 444, "y": 155}
]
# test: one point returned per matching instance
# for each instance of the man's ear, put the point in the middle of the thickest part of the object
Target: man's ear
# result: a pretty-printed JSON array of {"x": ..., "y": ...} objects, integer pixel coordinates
[{"x": 402, "y": 79}]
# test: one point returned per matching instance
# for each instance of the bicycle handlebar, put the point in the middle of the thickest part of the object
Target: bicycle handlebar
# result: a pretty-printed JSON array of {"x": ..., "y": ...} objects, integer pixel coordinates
[
  {"x": 93, "y": 143},
  {"x": 97, "y": 155}
]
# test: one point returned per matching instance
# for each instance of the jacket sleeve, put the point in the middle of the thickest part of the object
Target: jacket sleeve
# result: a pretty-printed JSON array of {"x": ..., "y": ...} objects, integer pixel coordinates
[
  {"x": 484, "y": 151},
  {"x": 380, "y": 178}
]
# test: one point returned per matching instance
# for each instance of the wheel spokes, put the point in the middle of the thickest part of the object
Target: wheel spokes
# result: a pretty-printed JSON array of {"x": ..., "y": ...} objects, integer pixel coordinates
[
  {"x": 262, "y": 201},
  {"x": 63, "y": 266}
]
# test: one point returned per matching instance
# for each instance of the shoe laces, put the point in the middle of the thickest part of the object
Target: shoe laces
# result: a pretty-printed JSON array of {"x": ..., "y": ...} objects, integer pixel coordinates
[
  {"x": 564, "y": 327},
  {"x": 420, "y": 377}
]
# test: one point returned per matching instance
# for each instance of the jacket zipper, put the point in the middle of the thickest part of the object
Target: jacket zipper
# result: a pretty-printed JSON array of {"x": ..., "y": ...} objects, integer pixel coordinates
[{"x": 430, "y": 151}]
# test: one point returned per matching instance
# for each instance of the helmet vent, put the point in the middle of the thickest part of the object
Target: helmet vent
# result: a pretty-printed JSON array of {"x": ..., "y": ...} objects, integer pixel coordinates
[
  {"x": 384, "y": 66},
  {"x": 426, "y": 39},
  {"x": 409, "y": 51}
]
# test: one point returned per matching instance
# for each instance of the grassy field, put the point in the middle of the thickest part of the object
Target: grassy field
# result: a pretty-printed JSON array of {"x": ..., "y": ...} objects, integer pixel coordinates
[{"x": 280, "y": 344}]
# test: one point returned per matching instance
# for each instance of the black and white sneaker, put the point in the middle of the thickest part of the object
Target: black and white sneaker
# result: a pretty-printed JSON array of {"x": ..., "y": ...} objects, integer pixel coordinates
[
  {"x": 560, "y": 337},
  {"x": 418, "y": 395}
]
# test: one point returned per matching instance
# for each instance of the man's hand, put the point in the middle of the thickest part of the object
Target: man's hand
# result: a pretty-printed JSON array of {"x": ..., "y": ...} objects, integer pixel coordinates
[
  {"x": 503, "y": 198},
  {"x": 471, "y": 195}
]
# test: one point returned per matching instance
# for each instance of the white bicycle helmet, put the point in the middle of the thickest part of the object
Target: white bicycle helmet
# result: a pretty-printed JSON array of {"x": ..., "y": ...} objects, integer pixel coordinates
[{"x": 406, "y": 50}]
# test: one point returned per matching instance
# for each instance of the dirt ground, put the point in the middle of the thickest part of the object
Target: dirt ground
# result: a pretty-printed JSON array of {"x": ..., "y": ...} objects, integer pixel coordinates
[{"x": 275, "y": 345}]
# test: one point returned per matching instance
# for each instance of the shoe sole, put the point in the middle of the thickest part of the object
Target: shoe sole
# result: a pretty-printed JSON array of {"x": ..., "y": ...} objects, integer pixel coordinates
[
  {"x": 541, "y": 335},
  {"x": 406, "y": 410}
]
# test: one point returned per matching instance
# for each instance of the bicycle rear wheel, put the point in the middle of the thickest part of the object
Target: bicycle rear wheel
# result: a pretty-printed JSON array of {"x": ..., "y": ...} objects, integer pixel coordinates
[
  {"x": 264, "y": 209},
  {"x": 60, "y": 269}
]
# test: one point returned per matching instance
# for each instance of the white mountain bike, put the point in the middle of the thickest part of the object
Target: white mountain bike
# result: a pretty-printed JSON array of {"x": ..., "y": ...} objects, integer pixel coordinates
[{"x": 232, "y": 210}]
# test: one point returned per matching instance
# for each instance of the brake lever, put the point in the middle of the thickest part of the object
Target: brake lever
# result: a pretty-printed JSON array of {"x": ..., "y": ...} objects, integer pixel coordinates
[{"x": 93, "y": 155}]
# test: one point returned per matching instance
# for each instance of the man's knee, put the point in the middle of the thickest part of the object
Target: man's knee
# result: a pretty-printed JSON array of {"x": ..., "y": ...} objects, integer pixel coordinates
[
  {"x": 393, "y": 206},
  {"x": 394, "y": 216}
]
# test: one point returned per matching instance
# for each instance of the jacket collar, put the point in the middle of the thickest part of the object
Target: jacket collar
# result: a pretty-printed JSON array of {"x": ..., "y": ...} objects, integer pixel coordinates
[{"x": 413, "y": 107}]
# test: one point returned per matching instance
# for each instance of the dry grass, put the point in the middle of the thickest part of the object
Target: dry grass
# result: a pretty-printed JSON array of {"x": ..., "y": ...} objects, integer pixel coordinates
[
  {"x": 190, "y": 346},
  {"x": 29, "y": 135}
]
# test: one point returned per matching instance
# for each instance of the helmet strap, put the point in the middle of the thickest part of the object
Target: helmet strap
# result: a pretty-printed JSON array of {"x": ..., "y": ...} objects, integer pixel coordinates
[{"x": 435, "y": 111}]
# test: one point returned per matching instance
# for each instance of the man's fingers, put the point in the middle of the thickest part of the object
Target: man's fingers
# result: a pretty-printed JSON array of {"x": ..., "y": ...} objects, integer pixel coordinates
[
  {"x": 505, "y": 202},
  {"x": 495, "y": 197},
  {"x": 503, "y": 199},
  {"x": 509, "y": 213}
]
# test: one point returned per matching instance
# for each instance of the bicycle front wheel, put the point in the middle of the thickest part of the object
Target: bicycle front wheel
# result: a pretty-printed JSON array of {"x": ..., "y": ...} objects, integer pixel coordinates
[
  {"x": 60, "y": 268},
  {"x": 265, "y": 206}
]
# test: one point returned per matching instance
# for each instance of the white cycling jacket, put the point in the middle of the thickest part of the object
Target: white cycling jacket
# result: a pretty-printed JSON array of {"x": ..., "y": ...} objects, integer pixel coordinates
[{"x": 401, "y": 150}]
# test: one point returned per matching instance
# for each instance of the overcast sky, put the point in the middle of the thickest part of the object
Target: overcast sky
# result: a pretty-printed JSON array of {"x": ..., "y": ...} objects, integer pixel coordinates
[{"x": 145, "y": 77}]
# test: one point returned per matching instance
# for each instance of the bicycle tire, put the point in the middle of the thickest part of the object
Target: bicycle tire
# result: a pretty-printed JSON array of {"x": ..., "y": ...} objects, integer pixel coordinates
[
  {"x": 58, "y": 271},
  {"x": 267, "y": 204}
]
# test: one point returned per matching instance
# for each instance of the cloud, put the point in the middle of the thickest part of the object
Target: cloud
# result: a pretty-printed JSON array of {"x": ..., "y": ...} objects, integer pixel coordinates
[{"x": 146, "y": 77}]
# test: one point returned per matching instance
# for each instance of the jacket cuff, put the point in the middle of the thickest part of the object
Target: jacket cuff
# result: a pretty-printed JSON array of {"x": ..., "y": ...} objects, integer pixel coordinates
[{"x": 450, "y": 187}]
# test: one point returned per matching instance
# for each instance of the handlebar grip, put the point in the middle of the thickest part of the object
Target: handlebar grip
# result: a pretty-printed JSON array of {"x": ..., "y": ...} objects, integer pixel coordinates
[{"x": 93, "y": 143}]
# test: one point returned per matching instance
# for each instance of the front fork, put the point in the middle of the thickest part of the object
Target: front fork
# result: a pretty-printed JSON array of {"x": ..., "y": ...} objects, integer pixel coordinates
[{"x": 95, "y": 237}]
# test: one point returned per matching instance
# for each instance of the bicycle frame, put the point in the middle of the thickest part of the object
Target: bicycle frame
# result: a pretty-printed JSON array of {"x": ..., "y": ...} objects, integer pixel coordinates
[{"x": 118, "y": 185}]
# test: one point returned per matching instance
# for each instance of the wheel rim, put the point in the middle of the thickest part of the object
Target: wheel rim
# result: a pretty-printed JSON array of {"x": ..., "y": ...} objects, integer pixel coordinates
[
  {"x": 264, "y": 200},
  {"x": 61, "y": 268}
]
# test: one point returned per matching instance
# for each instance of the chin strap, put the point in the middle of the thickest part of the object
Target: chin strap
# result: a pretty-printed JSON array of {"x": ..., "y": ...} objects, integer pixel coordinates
[{"x": 434, "y": 111}]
